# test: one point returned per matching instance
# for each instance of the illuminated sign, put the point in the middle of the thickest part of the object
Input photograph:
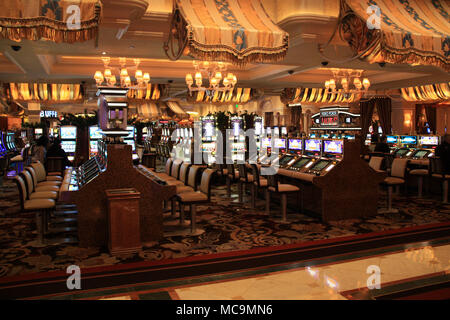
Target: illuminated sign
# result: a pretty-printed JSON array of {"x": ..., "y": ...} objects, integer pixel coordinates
[
  {"x": 48, "y": 114},
  {"x": 329, "y": 118}
]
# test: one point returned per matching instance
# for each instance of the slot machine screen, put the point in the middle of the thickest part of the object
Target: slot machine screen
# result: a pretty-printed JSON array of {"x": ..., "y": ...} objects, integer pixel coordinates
[
  {"x": 93, "y": 146},
  {"x": 130, "y": 133},
  {"x": 295, "y": 144},
  {"x": 23, "y": 134},
  {"x": 420, "y": 154},
  {"x": 402, "y": 152},
  {"x": 276, "y": 131},
  {"x": 265, "y": 143},
  {"x": 300, "y": 163},
  {"x": 94, "y": 133},
  {"x": 239, "y": 146},
  {"x": 408, "y": 139},
  {"x": 269, "y": 131},
  {"x": 38, "y": 131},
  {"x": 283, "y": 131},
  {"x": 68, "y": 146},
  {"x": 208, "y": 128},
  {"x": 320, "y": 165},
  {"x": 312, "y": 145},
  {"x": 391, "y": 139},
  {"x": 280, "y": 143},
  {"x": 68, "y": 132},
  {"x": 429, "y": 140},
  {"x": 349, "y": 137},
  {"x": 186, "y": 132},
  {"x": 333, "y": 146},
  {"x": 208, "y": 147}
]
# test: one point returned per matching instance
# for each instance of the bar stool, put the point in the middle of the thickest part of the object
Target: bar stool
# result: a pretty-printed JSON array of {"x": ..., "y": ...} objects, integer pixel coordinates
[
  {"x": 283, "y": 189},
  {"x": 31, "y": 193},
  {"x": 259, "y": 183},
  {"x": 40, "y": 206},
  {"x": 245, "y": 178},
  {"x": 420, "y": 174},
  {"x": 396, "y": 178},
  {"x": 376, "y": 162},
  {"x": 44, "y": 185},
  {"x": 196, "y": 197},
  {"x": 437, "y": 172}
]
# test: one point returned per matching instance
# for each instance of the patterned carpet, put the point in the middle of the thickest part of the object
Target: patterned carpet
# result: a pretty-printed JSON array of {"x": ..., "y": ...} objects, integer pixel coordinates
[{"x": 227, "y": 226}]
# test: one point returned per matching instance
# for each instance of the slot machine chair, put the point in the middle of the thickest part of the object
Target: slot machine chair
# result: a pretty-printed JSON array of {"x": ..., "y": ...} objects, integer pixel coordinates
[
  {"x": 376, "y": 163},
  {"x": 437, "y": 172},
  {"x": 283, "y": 190},
  {"x": 55, "y": 165},
  {"x": 396, "y": 178},
  {"x": 41, "y": 207},
  {"x": 259, "y": 183},
  {"x": 203, "y": 195},
  {"x": 420, "y": 174}
]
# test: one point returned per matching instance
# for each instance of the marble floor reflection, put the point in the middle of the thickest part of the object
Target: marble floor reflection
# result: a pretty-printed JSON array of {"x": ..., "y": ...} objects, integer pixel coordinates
[{"x": 327, "y": 282}]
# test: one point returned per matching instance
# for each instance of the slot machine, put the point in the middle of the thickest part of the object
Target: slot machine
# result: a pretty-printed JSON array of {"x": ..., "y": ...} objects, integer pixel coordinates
[
  {"x": 332, "y": 153},
  {"x": 68, "y": 136},
  {"x": 259, "y": 132},
  {"x": 428, "y": 145},
  {"x": 209, "y": 139},
  {"x": 392, "y": 142},
  {"x": 295, "y": 147},
  {"x": 237, "y": 139},
  {"x": 3, "y": 149},
  {"x": 129, "y": 139},
  {"x": 94, "y": 137},
  {"x": 38, "y": 132},
  {"x": 408, "y": 143}
]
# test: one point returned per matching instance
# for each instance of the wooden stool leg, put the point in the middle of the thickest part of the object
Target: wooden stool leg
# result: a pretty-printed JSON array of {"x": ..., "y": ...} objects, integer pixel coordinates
[
  {"x": 267, "y": 201},
  {"x": 228, "y": 186},
  {"x": 253, "y": 187},
  {"x": 193, "y": 218},
  {"x": 240, "y": 190},
  {"x": 173, "y": 207},
  {"x": 284, "y": 206},
  {"x": 445, "y": 191},
  {"x": 389, "y": 198},
  {"x": 181, "y": 213},
  {"x": 39, "y": 226}
]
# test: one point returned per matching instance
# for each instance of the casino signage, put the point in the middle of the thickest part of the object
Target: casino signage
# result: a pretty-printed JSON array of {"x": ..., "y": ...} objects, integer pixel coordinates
[
  {"x": 48, "y": 114},
  {"x": 335, "y": 118}
]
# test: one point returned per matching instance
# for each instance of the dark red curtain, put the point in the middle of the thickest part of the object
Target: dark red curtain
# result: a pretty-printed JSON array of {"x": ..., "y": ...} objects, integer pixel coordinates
[
  {"x": 384, "y": 109},
  {"x": 366, "y": 110},
  {"x": 430, "y": 111},
  {"x": 419, "y": 108}
]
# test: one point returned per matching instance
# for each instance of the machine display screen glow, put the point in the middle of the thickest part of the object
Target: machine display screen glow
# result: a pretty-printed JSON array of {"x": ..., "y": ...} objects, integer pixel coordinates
[
  {"x": 295, "y": 144},
  {"x": 408, "y": 139},
  {"x": 208, "y": 147},
  {"x": 93, "y": 146},
  {"x": 94, "y": 132},
  {"x": 320, "y": 165},
  {"x": 420, "y": 154},
  {"x": 68, "y": 146},
  {"x": 301, "y": 163},
  {"x": 312, "y": 145},
  {"x": 130, "y": 132},
  {"x": 391, "y": 139},
  {"x": 429, "y": 140},
  {"x": 239, "y": 146},
  {"x": 38, "y": 131},
  {"x": 333, "y": 146},
  {"x": 208, "y": 129},
  {"x": 131, "y": 143},
  {"x": 68, "y": 132},
  {"x": 265, "y": 143},
  {"x": 280, "y": 143},
  {"x": 283, "y": 131},
  {"x": 236, "y": 128},
  {"x": 285, "y": 159},
  {"x": 258, "y": 128}
]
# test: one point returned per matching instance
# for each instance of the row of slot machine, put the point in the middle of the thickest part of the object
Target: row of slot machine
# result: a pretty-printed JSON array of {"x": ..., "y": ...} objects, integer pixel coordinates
[
  {"x": 95, "y": 136},
  {"x": 183, "y": 144},
  {"x": 7, "y": 144},
  {"x": 313, "y": 155},
  {"x": 415, "y": 147}
]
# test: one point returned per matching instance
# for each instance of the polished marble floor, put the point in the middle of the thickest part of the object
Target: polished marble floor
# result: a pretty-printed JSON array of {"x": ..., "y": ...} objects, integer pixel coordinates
[{"x": 327, "y": 282}]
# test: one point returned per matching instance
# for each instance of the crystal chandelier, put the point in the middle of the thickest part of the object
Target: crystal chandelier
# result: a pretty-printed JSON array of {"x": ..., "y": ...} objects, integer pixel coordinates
[
  {"x": 215, "y": 72},
  {"x": 109, "y": 79},
  {"x": 346, "y": 77}
]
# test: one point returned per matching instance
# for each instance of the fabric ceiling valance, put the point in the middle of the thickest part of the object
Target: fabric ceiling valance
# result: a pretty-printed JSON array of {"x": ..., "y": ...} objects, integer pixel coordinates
[
  {"x": 175, "y": 107},
  {"x": 316, "y": 96},
  {"x": 151, "y": 92},
  {"x": 238, "y": 31},
  {"x": 44, "y": 92},
  {"x": 432, "y": 92},
  {"x": 149, "y": 110},
  {"x": 415, "y": 32},
  {"x": 58, "y": 21},
  {"x": 238, "y": 95}
]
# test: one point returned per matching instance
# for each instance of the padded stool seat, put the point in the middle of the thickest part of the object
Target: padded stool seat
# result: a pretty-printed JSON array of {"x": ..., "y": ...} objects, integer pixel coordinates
[
  {"x": 46, "y": 188},
  {"x": 393, "y": 181},
  {"x": 195, "y": 196},
  {"x": 419, "y": 172},
  {"x": 183, "y": 189},
  {"x": 44, "y": 195},
  {"x": 444, "y": 176},
  {"x": 37, "y": 204},
  {"x": 54, "y": 178},
  {"x": 175, "y": 183},
  {"x": 285, "y": 188},
  {"x": 16, "y": 158}
]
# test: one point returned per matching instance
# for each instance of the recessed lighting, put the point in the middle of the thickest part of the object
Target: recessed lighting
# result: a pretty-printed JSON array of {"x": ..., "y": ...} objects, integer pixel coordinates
[
  {"x": 132, "y": 47},
  {"x": 103, "y": 52}
]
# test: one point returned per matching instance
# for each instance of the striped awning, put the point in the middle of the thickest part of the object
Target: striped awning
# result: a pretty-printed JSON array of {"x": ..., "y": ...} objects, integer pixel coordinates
[
  {"x": 239, "y": 31},
  {"x": 175, "y": 107},
  {"x": 432, "y": 92},
  {"x": 44, "y": 92},
  {"x": 238, "y": 95},
  {"x": 149, "y": 110},
  {"x": 58, "y": 21},
  {"x": 316, "y": 96},
  {"x": 415, "y": 32}
]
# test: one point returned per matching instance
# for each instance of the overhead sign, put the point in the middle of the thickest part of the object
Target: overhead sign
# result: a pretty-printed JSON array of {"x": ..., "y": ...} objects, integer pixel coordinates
[{"x": 49, "y": 114}]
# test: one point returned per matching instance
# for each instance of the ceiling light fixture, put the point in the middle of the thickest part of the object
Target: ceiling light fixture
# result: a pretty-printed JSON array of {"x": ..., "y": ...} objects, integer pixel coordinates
[
  {"x": 219, "y": 79},
  {"x": 345, "y": 78},
  {"x": 109, "y": 79}
]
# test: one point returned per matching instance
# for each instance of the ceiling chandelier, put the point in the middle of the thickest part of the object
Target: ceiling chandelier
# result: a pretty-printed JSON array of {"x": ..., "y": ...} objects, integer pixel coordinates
[
  {"x": 347, "y": 77},
  {"x": 109, "y": 79},
  {"x": 215, "y": 72}
]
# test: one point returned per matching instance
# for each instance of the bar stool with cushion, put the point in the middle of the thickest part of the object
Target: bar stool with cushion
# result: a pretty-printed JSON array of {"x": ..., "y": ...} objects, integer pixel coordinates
[
  {"x": 245, "y": 178},
  {"x": 437, "y": 172},
  {"x": 420, "y": 174},
  {"x": 376, "y": 162},
  {"x": 259, "y": 183},
  {"x": 44, "y": 185},
  {"x": 167, "y": 171},
  {"x": 54, "y": 165},
  {"x": 283, "y": 190},
  {"x": 396, "y": 178},
  {"x": 196, "y": 197},
  {"x": 40, "y": 206},
  {"x": 41, "y": 174},
  {"x": 174, "y": 173},
  {"x": 31, "y": 193}
]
